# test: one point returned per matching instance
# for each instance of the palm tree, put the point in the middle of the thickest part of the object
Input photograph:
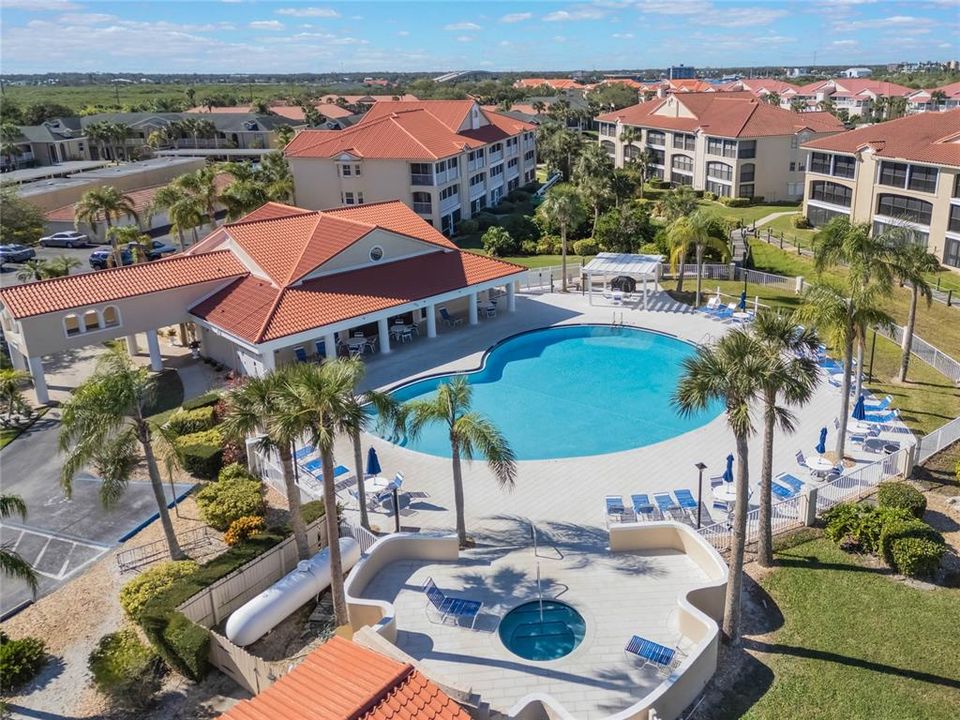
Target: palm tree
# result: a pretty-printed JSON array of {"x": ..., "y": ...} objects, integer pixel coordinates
[
  {"x": 202, "y": 184},
  {"x": 256, "y": 408},
  {"x": 628, "y": 136},
  {"x": 103, "y": 422},
  {"x": 284, "y": 135},
  {"x": 11, "y": 564},
  {"x": 701, "y": 232},
  {"x": 245, "y": 193},
  {"x": 773, "y": 98},
  {"x": 789, "y": 372},
  {"x": 563, "y": 209},
  {"x": 320, "y": 399},
  {"x": 32, "y": 270},
  {"x": 98, "y": 132},
  {"x": 910, "y": 262},
  {"x": 729, "y": 371},
  {"x": 538, "y": 106},
  {"x": 470, "y": 434},
  {"x": 61, "y": 265},
  {"x": 105, "y": 203},
  {"x": 10, "y": 138},
  {"x": 276, "y": 178},
  {"x": 623, "y": 185},
  {"x": 798, "y": 105},
  {"x": 133, "y": 238},
  {"x": 184, "y": 209},
  {"x": 938, "y": 98},
  {"x": 678, "y": 202},
  {"x": 10, "y": 395}
]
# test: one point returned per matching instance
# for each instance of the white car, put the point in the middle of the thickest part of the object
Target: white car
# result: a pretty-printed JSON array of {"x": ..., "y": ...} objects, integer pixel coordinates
[{"x": 67, "y": 238}]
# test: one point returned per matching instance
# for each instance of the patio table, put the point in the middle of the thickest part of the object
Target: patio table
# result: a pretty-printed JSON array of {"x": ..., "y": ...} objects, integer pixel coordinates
[
  {"x": 820, "y": 465},
  {"x": 727, "y": 493}
]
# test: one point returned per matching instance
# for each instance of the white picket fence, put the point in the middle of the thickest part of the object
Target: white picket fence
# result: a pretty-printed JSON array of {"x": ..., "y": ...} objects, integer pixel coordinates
[
  {"x": 926, "y": 352},
  {"x": 549, "y": 278},
  {"x": 939, "y": 439},
  {"x": 710, "y": 271}
]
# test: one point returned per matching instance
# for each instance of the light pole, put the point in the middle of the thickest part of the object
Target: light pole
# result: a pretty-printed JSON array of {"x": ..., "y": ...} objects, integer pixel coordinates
[
  {"x": 701, "y": 467},
  {"x": 743, "y": 266}
]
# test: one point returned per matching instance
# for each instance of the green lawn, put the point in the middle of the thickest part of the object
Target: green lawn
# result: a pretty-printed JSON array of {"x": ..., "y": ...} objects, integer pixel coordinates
[
  {"x": 747, "y": 214},
  {"x": 853, "y": 643},
  {"x": 537, "y": 261}
]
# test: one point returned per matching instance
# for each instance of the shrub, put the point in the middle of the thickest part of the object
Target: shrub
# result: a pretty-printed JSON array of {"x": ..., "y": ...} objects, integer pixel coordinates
[
  {"x": 528, "y": 247},
  {"x": 902, "y": 495},
  {"x": 20, "y": 660},
  {"x": 221, "y": 503},
  {"x": 504, "y": 208},
  {"x": 548, "y": 245},
  {"x": 707, "y": 195},
  {"x": 233, "y": 452},
  {"x": 498, "y": 243},
  {"x": 211, "y": 436},
  {"x": 917, "y": 557},
  {"x": 311, "y": 511},
  {"x": 800, "y": 222},
  {"x": 234, "y": 471},
  {"x": 518, "y": 196},
  {"x": 842, "y": 521},
  {"x": 186, "y": 422},
  {"x": 125, "y": 670},
  {"x": 242, "y": 528},
  {"x": 912, "y": 528},
  {"x": 183, "y": 645},
  {"x": 486, "y": 220},
  {"x": 202, "y": 452},
  {"x": 587, "y": 246},
  {"x": 205, "y": 400},
  {"x": 151, "y": 582},
  {"x": 860, "y": 525},
  {"x": 522, "y": 227},
  {"x": 735, "y": 202},
  {"x": 468, "y": 227},
  {"x": 650, "y": 248}
]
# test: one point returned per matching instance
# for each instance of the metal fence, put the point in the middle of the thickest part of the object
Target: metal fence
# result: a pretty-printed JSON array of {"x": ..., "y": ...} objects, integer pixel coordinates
[
  {"x": 140, "y": 556},
  {"x": 925, "y": 351},
  {"x": 939, "y": 439},
  {"x": 785, "y": 282},
  {"x": 710, "y": 271},
  {"x": 547, "y": 279}
]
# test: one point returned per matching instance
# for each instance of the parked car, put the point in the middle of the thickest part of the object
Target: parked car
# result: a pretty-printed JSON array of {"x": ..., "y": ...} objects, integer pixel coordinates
[
  {"x": 16, "y": 253},
  {"x": 100, "y": 259},
  {"x": 67, "y": 239}
]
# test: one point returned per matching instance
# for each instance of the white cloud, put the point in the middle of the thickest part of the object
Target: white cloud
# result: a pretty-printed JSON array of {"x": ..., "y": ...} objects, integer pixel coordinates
[
  {"x": 40, "y": 5},
  {"x": 462, "y": 26},
  {"x": 582, "y": 14},
  {"x": 622, "y": 36},
  {"x": 403, "y": 33},
  {"x": 739, "y": 17},
  {"x": 559, "y": 39},
  {"x": 319, "y": 12},
  {"x": 516, "y": 17},
  {"x": 464, "y": 38},
  {"x": 673, "y": 7},
  {"x": 266, "y": 25},
  {"x": 844, "y": 43},
  {"x": 87, "y": 18},
  {"x": 505, "y": 43},
  {"x": 893, "y": 22}
]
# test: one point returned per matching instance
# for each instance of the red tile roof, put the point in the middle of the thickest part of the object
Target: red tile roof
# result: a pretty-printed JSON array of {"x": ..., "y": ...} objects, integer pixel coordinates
[
  {"x": 395, "y": 216},
  {"x": 555, "y": 83},
  {"x": 925, "y": 137},
  {"x": 343, "y": 681},
  {"x": 410, "y": 130},
  {"x": 46, "y": 296},
  {"x": 727, "y": 114},
  {"x": 952, "y": 91},
  {"x": 855, "y": 86}
]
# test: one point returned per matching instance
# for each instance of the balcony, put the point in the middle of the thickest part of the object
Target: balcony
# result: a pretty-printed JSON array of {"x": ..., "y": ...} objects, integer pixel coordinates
[
  {"x": 423, "y": 208},
  {"x": 512, "y": 172},
  {"x": 449, "y": 205},
  {"x": 477, "y": 191},
  {"x": 417, "y": 179},
  {"x": 447, "y": 176},
  {"x": 496, "y": 157},
  {"x": 475, "y": 164}
]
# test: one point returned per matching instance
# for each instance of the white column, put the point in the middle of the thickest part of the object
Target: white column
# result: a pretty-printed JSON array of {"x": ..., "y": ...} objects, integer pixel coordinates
[
  {"x": 644, "y": 292},
  {"x": 383, "y": 329},
  {"x": 472, "y": 308},
  {"x": 330, "y": 345},
  {"x": 431, "y": 321},
  {"x": 590, "y": 288},
  {"x": 153, "y": 345},
  {"x": 132, "y": 346},
  {"x": 512, "y": 297},
  {"x": 39, "y": 380},
  {"x": 17, "y": 358},
  {"x": 269, "y": 360}
]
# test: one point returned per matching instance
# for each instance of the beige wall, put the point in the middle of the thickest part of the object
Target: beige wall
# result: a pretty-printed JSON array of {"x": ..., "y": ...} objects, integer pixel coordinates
[{"x": 395, "y": 247}]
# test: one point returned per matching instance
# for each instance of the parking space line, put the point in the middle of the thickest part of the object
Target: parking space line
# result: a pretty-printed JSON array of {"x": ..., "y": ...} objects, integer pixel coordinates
[{"x": 42, "y": 551}]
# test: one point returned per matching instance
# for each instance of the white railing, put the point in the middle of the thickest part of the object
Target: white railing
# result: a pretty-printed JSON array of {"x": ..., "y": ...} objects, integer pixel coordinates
[
  {"x": 365, "y": 539},
  {"x": 711, "y": 271},
  {"x": 546, "y": 279},
  {"x": 785, "y": 515},
  {"x": 768, "y": 279},
  {"x": 936, "y": 441},
  {"x": 925, "y": 351}
]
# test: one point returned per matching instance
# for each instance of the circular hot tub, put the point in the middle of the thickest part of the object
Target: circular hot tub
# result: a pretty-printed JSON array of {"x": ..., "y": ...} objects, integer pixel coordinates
[{"x": 542, "y": 632}]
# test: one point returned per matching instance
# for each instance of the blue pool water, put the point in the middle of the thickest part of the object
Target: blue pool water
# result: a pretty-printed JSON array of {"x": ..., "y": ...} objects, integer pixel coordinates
[
  {"x": 556, "y": 633},
  {"x": 573, "y": 390}
]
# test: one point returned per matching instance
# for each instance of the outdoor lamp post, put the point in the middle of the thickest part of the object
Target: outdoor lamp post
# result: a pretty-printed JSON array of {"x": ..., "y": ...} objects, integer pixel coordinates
[
  {"x": 701, "y": 467},
  {"x": 743, "y": 266}
]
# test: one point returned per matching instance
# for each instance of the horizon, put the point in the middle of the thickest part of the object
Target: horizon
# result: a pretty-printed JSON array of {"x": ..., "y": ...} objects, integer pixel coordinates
[{"x": 236, "y": 37}]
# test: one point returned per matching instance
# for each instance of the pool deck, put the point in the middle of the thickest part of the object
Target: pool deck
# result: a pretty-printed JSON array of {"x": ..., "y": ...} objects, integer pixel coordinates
[
  {"x": 569, "y": 489},
  {"x": 597, "y": 679}
]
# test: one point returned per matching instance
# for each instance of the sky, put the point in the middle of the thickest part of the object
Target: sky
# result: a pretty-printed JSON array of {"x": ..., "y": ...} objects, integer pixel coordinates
[{"x": 241, "y": 36}]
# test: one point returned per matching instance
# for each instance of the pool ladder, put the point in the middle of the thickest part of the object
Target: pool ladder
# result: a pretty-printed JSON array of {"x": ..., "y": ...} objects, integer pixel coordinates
[{"x": 617, "y": 320}]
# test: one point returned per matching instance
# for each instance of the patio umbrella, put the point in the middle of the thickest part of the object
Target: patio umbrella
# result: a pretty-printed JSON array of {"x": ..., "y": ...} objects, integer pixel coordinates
[
  {"x": 822, "y": 445},
  {"x": 373, "y": 462},
  {"x": 859, "y": 412},
  {"x": 743, "y": 300},
  {"x": 728, "y": 473}
]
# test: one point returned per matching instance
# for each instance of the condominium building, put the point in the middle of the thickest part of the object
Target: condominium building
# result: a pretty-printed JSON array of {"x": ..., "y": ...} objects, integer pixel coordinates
[
  {"x": 855, "y": 95},
  {"x": 902, "y": 173},
  {"x": 728, "y": 143},
  {"x": 945, "y": 97},
  {"x": 448, "y": 160}
]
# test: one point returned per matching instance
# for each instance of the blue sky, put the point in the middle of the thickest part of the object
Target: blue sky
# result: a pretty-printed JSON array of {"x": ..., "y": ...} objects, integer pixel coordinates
[{"x": 238, "y": 36}]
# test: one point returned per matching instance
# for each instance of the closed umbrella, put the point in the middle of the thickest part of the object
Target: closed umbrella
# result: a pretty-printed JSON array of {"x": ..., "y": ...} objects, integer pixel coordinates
[
  {"x": 859, "y": 412},
  {"x": 743, "y": 300},
  {"x": 728, "y": 473},
  {"x": 373, "y": 462},
  {"x": 822, "y": 445}
]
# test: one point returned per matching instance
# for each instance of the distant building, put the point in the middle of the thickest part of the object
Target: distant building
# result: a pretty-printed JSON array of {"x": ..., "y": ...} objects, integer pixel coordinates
[
  {"x": 856, "y": 95},
  {"x": 946, "y": 97},
  {"x": 798, "y": 72},
  {"x": 857, "y": 72},
  {"x": 681, "y": 72}
]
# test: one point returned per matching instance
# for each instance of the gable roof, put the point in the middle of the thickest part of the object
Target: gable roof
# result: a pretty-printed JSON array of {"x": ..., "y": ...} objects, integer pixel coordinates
[
  {"x": 952, "y": 91},
  {"x": 856, "y": 86},
  {"x": 727, "y": 114},
  {"x": 342, "y": 681},
  {"x": 925, "y": 137}
]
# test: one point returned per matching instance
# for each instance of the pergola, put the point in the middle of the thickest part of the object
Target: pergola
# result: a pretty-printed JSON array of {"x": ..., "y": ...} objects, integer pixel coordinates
[{"x": 638, "y": 267}]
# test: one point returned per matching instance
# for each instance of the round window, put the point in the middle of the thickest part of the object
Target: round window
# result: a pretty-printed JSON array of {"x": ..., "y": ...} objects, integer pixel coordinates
[{"x": 376, "y": 253}]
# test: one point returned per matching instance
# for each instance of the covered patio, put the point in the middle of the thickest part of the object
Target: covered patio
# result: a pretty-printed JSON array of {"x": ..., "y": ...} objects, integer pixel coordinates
[{"x": 619, "y": 269}]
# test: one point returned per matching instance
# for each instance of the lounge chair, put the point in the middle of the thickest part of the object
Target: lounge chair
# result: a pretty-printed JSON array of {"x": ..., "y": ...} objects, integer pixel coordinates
[
  {"x": 446, "y": 606},
  {"x": 301, "y": 354},
  {"x": 716, "y": 481},
  {"x": 615, "y": 506},
  {"x": 664, "y": 659},
  {"x": 725, "y": 312},
  {"x": 642, "y": 506},
  {"x": 665, "y": 504},
  {"x": 686, "y": 500},
  {"x": 315, "y": 468},
  {"x": 448, "y": 319},
  {"x": 791, "y": 481},
  {"x": 781, "y": 492},
  {"x": 880, "y": 406},
  {"x": 885, "y": 418},
  {"x": 711, "y": 307},
  {"x": 304, "y": 452},
  {"x": 802, "y": 461}
]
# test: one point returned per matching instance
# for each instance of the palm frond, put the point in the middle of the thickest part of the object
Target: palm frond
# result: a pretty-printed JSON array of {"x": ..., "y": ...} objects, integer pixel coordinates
[
  {"x": 114, "y": 463},
  {"x": 12, "y": 505},
  {"x": 12, "y": 565},
  {"x": 485, "y": 439}
]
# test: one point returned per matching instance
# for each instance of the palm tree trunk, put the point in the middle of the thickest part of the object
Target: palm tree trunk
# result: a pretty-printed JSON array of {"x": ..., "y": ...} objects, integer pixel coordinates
[
  {"x": 596, "y": 218},
  {"x": 699, "y": 274},
  {"x": 183, "y": 245},
  {"x": 681, "y": 269},
  {"x": 333, "y": 539},
  {"x": 458, "y": 491},
  {"x": 861, "y": 347},
  {"x": 563, "y": 257},
  {"x": 361, "y": 488},
  {"x": 731, "y": 613},
  {"x": 156, "y": 484},
  {"x": 907, "y": 344},
  {"x": 293, "y": 501},
  {"x": 117, "y": 257},
  {"x": 765, "y": 550},
  {"x": 845, "y": 388}
]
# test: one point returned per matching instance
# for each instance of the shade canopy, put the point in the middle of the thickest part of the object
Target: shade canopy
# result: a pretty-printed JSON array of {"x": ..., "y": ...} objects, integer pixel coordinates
[
  {"x": 822, "y": 445},
  {"x": 624, "y": 264},
  {"x": 728, "y": 473},
  {"x": 859, "y": 411},
  {"x": 373, "y": 462}
]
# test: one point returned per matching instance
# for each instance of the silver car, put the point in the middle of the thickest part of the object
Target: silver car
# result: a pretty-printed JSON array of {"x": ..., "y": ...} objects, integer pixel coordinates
[{"x": 67, "y": 238}]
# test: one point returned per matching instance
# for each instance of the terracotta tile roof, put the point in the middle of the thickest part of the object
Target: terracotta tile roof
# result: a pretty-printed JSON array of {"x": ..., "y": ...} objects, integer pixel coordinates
[
  {"x": 756, "y": 85},
  {"x": 855, "y": 86},
  {"x": 925, "y": 137},
  {"x": 354, "y": 99},
  {"x": 394, "y": 215},
  {"x": 412, "y": 130},
  {"x": 343, "y": 681},
  {"x": 690, "y": 85},
  {"x": 273, "y": 210},
  {"x": 341, "y": 296},
  {"x": 726, "y": 114},
  {"x": 952, "y": 91},
  {"x": 46, "y": 296},
  {"x": 555, "y": 83}
]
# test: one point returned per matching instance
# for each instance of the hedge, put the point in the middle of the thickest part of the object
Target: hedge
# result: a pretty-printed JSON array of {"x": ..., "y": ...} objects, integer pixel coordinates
[
  {"x": 136, "y": 593},
  {"x": 186, "y": 422},
  {"x": 917, "y": 557},
  {"x": 202, "y": 452},
  {"x": 586, "y": 247},
  {"x": 223, "y": 502},
  {"x": 20, "y": 660},
  {"x": 242, "y": 528},
  {"x": 735, "y": 202},
  {"x": 234, "y": 471},
  {"x": 902, "y": 495},
  {"x": 861, "y": 525},
  {"x": 125, "y": 670},
  {"x": 904, "y": 529},
  {"x": 206, "y": 400}
]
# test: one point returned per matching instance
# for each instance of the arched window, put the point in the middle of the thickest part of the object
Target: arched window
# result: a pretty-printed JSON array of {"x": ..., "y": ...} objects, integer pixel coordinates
[
  {"x": 905, "y": 208},
  {"x": 720, "y": 171},
  {"x": 683, "y": 163},
  {"x": 91, "y": 321},
  {"x": 111, "y": 316},
  {"x": 608, "y": 147},
  {"x": 71, "y": 324}
]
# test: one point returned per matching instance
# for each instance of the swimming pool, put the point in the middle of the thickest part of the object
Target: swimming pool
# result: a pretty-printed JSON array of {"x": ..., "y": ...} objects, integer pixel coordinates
[
  {"x": 544, "y": 630},
  {"x": 572, "y": 390}
]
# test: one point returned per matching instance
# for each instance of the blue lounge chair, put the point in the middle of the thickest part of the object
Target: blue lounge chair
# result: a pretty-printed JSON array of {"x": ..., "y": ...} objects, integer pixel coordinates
[
  {"x": 781, "y": 492},
  {"x": 802, "y": 461},
  {"x": 791, "y": 481},
  {"x": 615, "y": 506},
  {"x": 641, "y": 505},
  {"x": 304, "y": 452},
  {"x": 446, "y": 606},
  {"x": 315, "y": 468},
  {"x": 448, "y": 319},
  {"x": 724, "y": 312},
  {"x": 885, "y": 418},
  {"x": 686, "y": 500},
  {"x": 880, "y": 406},
  {"x": 665, "y": 503},
  {"x": 661, "y": 657}
]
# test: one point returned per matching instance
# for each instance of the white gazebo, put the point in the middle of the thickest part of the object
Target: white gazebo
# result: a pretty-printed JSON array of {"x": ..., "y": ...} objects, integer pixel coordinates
[{"x": 639, "y": 267}]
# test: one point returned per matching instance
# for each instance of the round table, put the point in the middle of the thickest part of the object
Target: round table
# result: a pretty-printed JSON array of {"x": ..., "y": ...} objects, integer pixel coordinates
[
  {"x": 727, "y": 493},
  {"x": 741, "y": 315},
  {"x": 820, "y": 465}
]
